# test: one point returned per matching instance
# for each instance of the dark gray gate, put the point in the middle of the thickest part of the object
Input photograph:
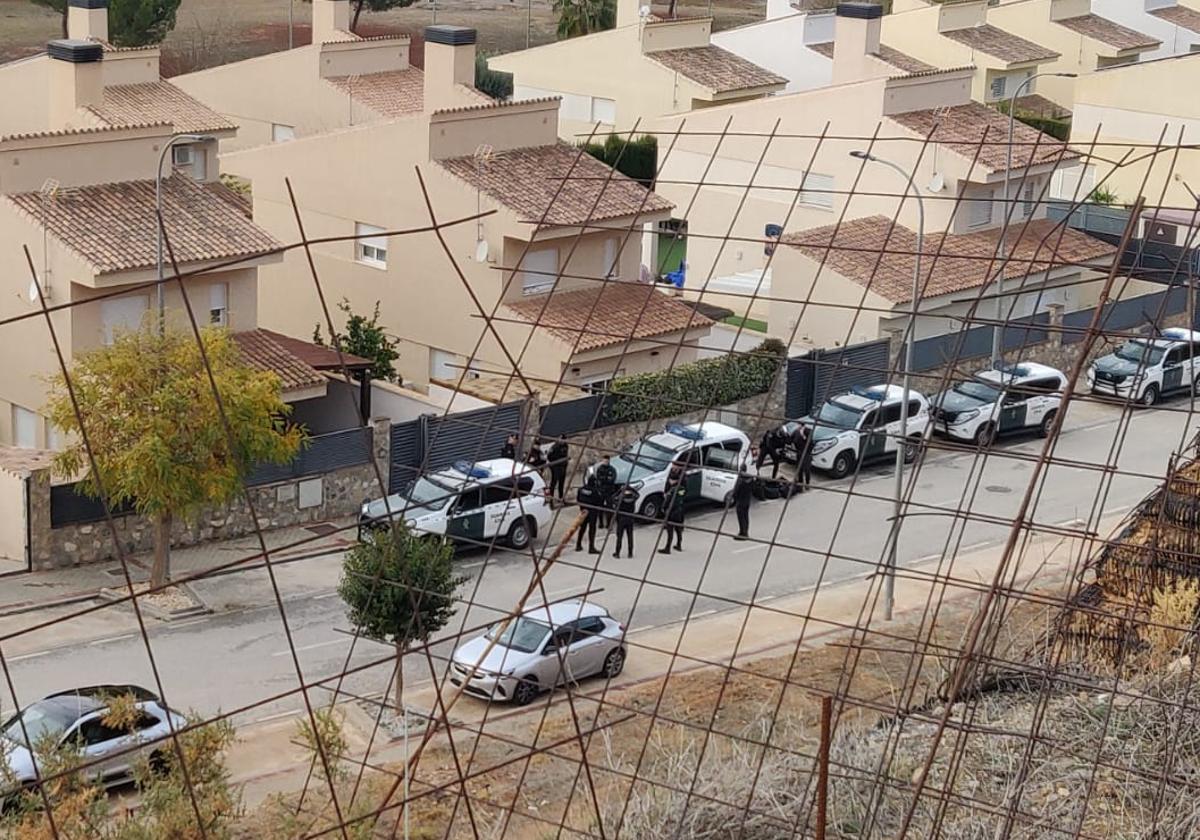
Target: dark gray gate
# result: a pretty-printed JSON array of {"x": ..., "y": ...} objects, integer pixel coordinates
[
  {"x": 436, "y": 441},
  {"x": 405, "y": 454},
  {"x": 814, "y": 377}
]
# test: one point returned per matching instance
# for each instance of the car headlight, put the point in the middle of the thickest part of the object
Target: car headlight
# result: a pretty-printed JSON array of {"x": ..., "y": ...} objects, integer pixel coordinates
[
  {"x": 411, "y": 524},
  {"x": 366, "y": 509},
  {"x": 637, "y": 485},
  {"x": 966, "y": 416},
  {"x": 823, "y": 445}
]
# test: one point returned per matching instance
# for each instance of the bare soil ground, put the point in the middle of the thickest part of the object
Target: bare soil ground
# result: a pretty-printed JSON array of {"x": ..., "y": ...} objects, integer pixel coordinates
[{"x": 210, "y": 32}]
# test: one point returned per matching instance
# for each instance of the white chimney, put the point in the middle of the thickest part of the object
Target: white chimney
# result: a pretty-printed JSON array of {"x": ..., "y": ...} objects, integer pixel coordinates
[
  {"x": 329, "y": 19},
  {"x": 449, "y": 61},
  {"x": 76, "y": 78},
  {"x": 856, "y": 41},
  {"x": 87, "y": 20}
]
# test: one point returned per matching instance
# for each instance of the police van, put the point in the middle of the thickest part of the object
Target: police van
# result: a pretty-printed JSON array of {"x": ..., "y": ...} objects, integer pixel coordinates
[
  {"x": 863, "y": 425},
  {"x": 1008, "y": 400},
  {"x": 1145, "y": 369},
  {"x": 469, "y": 503},
  {"x": 713, "y": 452}
]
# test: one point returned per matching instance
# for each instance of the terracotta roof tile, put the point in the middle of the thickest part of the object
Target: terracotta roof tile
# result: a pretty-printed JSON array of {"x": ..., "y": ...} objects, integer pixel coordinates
[
  {"x": 888, "y": 55},
  {"x": 1183, "y": 16},
  {"x": 963, "y": 260},
  {"x": 316, "y": 355},
  {"x": 962, "y": 127},
  {"x": 154, "y": 102},
  {"x": 997, "y": 43},
  {"x": 1109, "y": 32},
  {"x": 527, "y": 182},
  {"x": 261, "y": 350},
  {"x": 391, "y": 94},
  {"x": 618, "y": 311},
  {"x": 717, "y": 69},
  {"x": 112, "y": 225},
  {"x": 825, "y": 49}
]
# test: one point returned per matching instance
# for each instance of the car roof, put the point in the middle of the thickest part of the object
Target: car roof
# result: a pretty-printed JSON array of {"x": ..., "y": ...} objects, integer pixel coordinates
[
  {"x": 463, "y": 474},
  {"x": 102, "y": 693},
  {"x": 1019, "y": 373},
  {"x": 1180, "y": 334},
  {"x": 873, "y": 395},
  {"x": 693, "y": 433},
  {"x": 561, "y": 612}
]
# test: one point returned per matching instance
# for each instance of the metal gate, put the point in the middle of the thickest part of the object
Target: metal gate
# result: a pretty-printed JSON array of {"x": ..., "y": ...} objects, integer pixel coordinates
[
  {"x": 818, "y": 374},
  {"x": 436, "y": 441}
]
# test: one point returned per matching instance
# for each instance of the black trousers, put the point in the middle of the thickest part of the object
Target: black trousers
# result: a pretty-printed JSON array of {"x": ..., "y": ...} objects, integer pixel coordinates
[
  {"x": 743, "y": 517},
  {"x": 606, "y": 512},
  {"x": 558, "y": 482},
  {"x": 624, "y": 529},
  {"x": 775, "y": 459},
  {"x": 804, "y": 472},
  {"x": 676, "y": 529},
  {"x": 589, "y": 525}
]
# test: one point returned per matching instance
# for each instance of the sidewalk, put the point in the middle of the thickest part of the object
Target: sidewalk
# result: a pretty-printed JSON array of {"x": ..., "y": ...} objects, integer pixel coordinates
[{"x": 29, "y": 591}]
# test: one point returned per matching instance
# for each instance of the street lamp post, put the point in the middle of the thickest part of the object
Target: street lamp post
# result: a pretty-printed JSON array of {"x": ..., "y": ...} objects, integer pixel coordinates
[
  {"x": 997, "y": 330},
  {"x": 889, "y": 583},
  {"x": 158, "y": 219}
]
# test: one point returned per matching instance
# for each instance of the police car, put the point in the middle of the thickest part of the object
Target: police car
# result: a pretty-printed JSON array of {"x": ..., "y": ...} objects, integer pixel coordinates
[
  {"x": 1014, "y": 398},
  {"x": 469, "y": 503},
  {"x": 714, "y": 454},
  {"x": 1145, "y": 369},
  {"x": 863, "y": 425}
]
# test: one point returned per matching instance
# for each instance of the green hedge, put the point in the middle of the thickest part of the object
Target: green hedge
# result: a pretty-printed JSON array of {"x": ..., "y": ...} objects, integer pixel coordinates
[
  {"x": 637, "y": 158},
  {"x": 492, "y": 82},
  {"x": 696, "y": 385}
]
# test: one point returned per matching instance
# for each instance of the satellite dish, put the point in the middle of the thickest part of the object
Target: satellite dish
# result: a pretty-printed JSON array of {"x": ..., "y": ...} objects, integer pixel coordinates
[
  {"x": 33, "y": 291},
  {"x": 937, "y": 183},
  {"x": 481, "y": 250},
  {"x": 644, "y": 12}
]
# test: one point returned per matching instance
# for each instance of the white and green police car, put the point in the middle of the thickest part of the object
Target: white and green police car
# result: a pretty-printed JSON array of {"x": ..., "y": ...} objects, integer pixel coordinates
[
  {"x": 713, "y": 452},
  {"x": 471, "y": 504},
  {"x": 1012, "y": 399},
  {"x": 863, "y": 425},
  {"x": 1145, "y": 369}
]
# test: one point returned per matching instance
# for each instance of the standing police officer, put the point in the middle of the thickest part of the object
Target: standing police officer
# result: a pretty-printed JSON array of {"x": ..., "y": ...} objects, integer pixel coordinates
[
  {"x": 589, "y": 505},
  {"x": 558, "y": 469},
  {"x": 676, "y": 493},
  {"x": 606, "y": 485},
  {"x": 626, "y": 507},
  {"x": 743, "y": 493}
]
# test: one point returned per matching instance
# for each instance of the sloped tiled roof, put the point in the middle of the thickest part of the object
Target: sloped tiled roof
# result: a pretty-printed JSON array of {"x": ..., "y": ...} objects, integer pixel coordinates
[
  {"x": 527, "y": 181},
  {"x": 112, "y": 226},
  {"x": 1184, "y": 16},
  {"x": 611, "y": 313},
  {"x": 1109, "y": 32},
  {"x": 391, "y": 94},
  {"x": 963, "y": 260},
  {"x": 962, "y": 127},
  {"x": 260, "y": 350},
  {"x": 997, "y": 43},
  {"x": 316, "y": 355},
  {"x": 888, "y": 55},
  {"x": 717, "y": 69},
  {"x": 150, "y": 102}
]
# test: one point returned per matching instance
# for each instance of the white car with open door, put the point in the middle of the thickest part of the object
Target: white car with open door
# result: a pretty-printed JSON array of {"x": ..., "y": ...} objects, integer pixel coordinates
[
  {"x": 863, "y": 425},
  {"x": 714, "y": 454},
  {"x": 471, "y": 504},
  {"x": 1013, "y": 399},
  {"x": 1145, "y": 369}
]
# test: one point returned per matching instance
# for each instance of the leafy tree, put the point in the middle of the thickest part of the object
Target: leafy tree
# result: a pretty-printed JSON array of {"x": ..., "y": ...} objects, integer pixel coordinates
[
  {"x": 366, "y": 338},
  {"x": 131, "y": 23},
  {"x": 399, "y": 589},
  {"x": 154, "y": 427},
  {"x": 581, "y": 17}
]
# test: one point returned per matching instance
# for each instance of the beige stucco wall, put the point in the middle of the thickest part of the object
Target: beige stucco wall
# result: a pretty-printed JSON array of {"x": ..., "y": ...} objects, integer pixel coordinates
[
  {"x": 819, "y": 311},
  {"x": 26, "y": 106},
  {"x": 80, "y": 159}
]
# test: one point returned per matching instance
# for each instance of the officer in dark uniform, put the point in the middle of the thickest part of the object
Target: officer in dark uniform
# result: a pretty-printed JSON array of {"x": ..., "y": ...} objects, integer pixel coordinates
[
  {"x": 771, "y": 447},
  {"x": 626, "y": 508},
  {"x": 743, "y": 493},
  {"x": 606, "y": 485},
  {"x": 558, "y": 469},
  {"x": 802, "y": 440},
  {"x": 535, "y": 458},
  {"x": 589, "y": 504},
  {"x": 673, "y": 498},
  {"x": 509, "y": 449}
]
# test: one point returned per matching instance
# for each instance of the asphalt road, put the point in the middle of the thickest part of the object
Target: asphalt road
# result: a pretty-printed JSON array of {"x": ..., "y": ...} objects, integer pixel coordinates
[{"x": 240, "y": 657}]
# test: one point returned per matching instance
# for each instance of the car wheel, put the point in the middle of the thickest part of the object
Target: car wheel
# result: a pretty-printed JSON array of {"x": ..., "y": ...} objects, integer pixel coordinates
[
  {"x": 1149, "y": 396},
  {"x": 912, "y": 446},
  {"x": 526, "y": 690},
  {"x": 842, "y": 464},
  {"x": 652, "y": 507},
  {"x": 1047, "y": 422},
  {"x": 985, "y": 436},
  {"x": 1196, "y": 387},
  {"x": 519, "y": 535},
  {"x": 614, "y": 663}
]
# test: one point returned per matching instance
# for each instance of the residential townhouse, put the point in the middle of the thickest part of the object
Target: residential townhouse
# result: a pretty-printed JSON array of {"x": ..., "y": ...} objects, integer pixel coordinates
[
  {"x": 644, "y": 67},
  {"x": 337, "y": 81},
  {"x": 783, "y": 171},
  {"x": 554, "y": 267},
  {"x": 1174, "y": 23}
]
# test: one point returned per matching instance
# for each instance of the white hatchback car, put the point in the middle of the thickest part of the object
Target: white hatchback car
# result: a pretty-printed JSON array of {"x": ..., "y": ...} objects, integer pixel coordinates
[
  {"x": 471, "y": 504},
  {"x": 542, "y": 648}
]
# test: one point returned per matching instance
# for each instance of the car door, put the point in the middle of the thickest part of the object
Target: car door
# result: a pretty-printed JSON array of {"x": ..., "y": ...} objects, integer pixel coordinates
[
  {"x": 465, "y": 520},
  {"x": 1013, "y": 409},
  {"x": 557, "y": 663},
  {"x": 500, "y": 506},
  {"x": 873, "y": 433},
  {"x": 1043, "y": 397},
  {"x": 589, "y": 647},
  {"x": 693, "y": 475},
  {"x": 720, "y": 469},
  {"x": 103, "y": 747},
  {"x": 1172, "y": 367}
]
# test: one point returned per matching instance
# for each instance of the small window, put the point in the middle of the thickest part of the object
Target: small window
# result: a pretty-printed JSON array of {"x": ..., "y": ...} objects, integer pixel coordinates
[
  {"x": 889, "y": 414},
  {"x": 1028, "y": 201},
  {"x": 369, "y": 246},
  {"x": 591, "y": 626},
  {"x": 190, "y": 158},
  {"x": 1174, "y": 356},
  {"x": 145, "y": 721},
  {"x": 218, "y": 304},
  {"x": 94, "y": 731},
  {"x": 469, "y": 500},
  {"x": 914, "y": 408},
  {"x": 999, "y": 86},
  {"x": 539, "y": 270},
  {"x": 719, "y": 457},
  {"x": 282, "y": 133},
  {"x": 1042, "y": 386},
  {"x": 1016, "y": 395},
  {"x": 979, "y": 209},
  {"x": 54, "y": 437},
  {"x": 524, "y": 485},
  {"x": 499, "y": 493},
  {"x": 818, "y": 190},
  {"x": 868, "y": 420},
  {"x": 123, "y": 314},
  {"x": 695, "y": 457},
  {"x": 610, "y": 267},
  {"x": 604, "y": 110},
  {"x": 563, "y": 637},
  {"x": 25, "y": 427}
]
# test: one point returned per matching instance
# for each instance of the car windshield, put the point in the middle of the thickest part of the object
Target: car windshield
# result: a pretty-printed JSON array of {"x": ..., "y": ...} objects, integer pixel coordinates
[
  {"x": 1141, "y": 353},
  {"x": 838, "y": 415},
  {"x": 524, "y": 634},
  {"x": 642, "y": 459},
  {"x": 41, "y": 720},
  {"x": 978, "y": 391},
  {"x": 428, "y": 494}
]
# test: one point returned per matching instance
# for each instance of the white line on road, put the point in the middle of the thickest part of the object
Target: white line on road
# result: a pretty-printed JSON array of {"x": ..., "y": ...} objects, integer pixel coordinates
[
  {"x": 311, "y": 647},
  {"x": 25, "y": 656},
  {"x": 112, "y": 639},
  {"x": 279, "y": 716},
  {"x": 325, "y": 595},
  {"x": 755, "y": 547}
]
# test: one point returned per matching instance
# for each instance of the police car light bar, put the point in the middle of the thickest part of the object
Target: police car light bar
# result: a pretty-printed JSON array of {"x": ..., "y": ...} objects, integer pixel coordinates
[
  {"x": 1006, "y": 367},
  {"x": 470, "y": 470},
  {"x": 873, "y": 393},
  {"x": 680, "y": 430}
]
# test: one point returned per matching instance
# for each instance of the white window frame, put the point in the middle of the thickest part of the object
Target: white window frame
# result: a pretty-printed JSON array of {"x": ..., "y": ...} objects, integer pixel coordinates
[
  {"x": 370, "y": 248},
  {"x": 604, "y": 110},
  {"x": 818, "y": 190},
  {"x": 119, "y": 314},
  {"x": 218, "y": 304},
  {"x": 24, "y": 427},
  {"x": 612, "y": 266},
  {"x": 538, "y": 279},
  {"x": 281, "y": 133},
  {"x": 978, "y": 205},
  {"x": 189, "y": 156}
]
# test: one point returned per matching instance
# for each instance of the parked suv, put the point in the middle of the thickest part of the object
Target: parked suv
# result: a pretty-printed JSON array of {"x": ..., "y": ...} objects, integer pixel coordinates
[
  {"x": 714, "y": 454},
  {"x": 863, "y": 425},
  {"x": 469, "y": 503},
  {"x": 1146, "y": 369},
  {"x": 1015, "y": 398}
]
